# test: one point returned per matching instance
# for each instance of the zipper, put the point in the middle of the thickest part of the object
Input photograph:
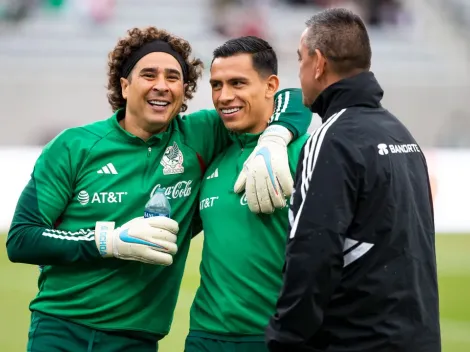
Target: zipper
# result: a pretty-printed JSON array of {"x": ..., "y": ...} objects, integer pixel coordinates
[
  {"x": 148, "y": 164},
  {"x": 242, "y": 147}
]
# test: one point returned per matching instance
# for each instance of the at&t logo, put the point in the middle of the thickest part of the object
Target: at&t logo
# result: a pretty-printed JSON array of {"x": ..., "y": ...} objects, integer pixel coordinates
[
  {"x": 83, "y": 197},
  {"x": 101, "y": 197}
]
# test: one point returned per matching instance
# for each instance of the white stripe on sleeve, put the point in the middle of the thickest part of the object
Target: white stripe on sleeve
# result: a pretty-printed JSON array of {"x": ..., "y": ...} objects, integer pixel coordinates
[
  {"x": 311, "y": 151},
  {"x": 357, "y": 253},
  {"x": 81, "y": 235},
  {"x": 285, "y": 105},
  {"x": 278, "y": 108}
]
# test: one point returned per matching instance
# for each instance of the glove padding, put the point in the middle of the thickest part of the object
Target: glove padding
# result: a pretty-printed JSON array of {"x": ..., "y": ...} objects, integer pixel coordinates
[
  {"x": 147, "y": 240},
  {"x": 266, "y": 175}
]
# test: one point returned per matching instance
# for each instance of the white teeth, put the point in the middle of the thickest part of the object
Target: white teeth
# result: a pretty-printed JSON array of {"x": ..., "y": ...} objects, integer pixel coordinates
[
  {"x": 230, "y": 111},
  {"x": 158, "y": 102}
]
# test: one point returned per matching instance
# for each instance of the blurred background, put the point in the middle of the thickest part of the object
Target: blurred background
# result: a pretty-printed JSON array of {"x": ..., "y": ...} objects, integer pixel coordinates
[{"x": 53, "y": 59}]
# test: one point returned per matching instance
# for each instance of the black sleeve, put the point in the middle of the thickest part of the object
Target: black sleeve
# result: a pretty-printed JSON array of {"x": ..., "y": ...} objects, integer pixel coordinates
[{"x": 321, "y": 211}]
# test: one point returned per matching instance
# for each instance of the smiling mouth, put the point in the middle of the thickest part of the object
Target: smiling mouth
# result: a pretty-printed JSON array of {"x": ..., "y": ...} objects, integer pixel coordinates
[
  {"x": 158, "y": 103},
  {"x": 230, "y": 111}
]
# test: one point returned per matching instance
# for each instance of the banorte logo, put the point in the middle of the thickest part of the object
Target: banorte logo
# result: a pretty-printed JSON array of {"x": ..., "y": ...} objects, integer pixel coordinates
[
  {"x": 83, "y": 197},
  {"x": 382, "y": 149}
]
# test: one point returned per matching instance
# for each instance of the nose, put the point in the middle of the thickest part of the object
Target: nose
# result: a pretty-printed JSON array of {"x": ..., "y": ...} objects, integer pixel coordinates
[
  {"x": 160, "y": 84},
  {"x": 226, "y": 94}
]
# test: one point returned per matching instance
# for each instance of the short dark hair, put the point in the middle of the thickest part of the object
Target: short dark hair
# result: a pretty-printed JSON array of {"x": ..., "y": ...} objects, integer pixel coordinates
[
  {"x": 263, "y": 55},
  {"x": 341, "y": 36}
]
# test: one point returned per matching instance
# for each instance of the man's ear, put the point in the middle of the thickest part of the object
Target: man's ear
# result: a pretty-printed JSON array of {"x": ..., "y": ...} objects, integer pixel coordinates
[
  {"x": 319, "y": 64},
  {"x": 272, "y": 85},
  {"x": 124, "y": 87}
]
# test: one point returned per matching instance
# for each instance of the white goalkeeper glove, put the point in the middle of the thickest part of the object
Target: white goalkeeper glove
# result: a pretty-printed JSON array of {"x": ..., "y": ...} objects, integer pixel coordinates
[
  {"x": 266, "y": 176},
  {"x": 147, "y": 240}
]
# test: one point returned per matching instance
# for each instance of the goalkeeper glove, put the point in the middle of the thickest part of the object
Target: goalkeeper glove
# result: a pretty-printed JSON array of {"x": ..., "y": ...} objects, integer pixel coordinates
[
  {"x": 266, "y": 175},
  {"x": 147, "y": 240}
]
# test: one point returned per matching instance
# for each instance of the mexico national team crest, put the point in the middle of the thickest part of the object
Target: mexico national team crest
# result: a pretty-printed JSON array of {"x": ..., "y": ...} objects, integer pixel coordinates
[{"x": 172, "y": 160}]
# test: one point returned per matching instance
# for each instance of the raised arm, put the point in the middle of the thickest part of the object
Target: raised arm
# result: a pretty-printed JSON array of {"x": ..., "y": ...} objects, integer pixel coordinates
[
  {"x": 206, "y": 134},
  {"x": 266, "y": 177}
]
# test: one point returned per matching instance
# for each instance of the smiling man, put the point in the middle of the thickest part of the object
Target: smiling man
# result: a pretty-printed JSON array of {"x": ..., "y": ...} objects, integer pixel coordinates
[
  {"x": 243, "y": 253},
  {"x": 80, "y": 215}
]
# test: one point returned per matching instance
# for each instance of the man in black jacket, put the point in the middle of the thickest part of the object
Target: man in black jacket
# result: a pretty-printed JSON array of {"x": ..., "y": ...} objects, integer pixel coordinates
[{"x": 360, "y": 272}]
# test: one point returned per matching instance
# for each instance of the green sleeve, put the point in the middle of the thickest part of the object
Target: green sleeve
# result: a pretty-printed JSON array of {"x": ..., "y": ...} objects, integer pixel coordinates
[
  {"x": 293, "y": 152},
  {"x": 32, "y": 238},
  {"x": 206, "y": 134},
  {"x": 290, "y": 112}
]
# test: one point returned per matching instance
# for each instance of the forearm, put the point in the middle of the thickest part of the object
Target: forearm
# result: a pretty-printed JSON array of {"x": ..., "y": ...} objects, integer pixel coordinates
[
  {"x": 32, "y": 238},
  {"x": 31, "y": 244}
]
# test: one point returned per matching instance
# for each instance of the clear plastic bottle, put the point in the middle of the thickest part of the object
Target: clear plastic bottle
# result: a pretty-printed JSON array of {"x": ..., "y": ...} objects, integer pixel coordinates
[{"x": 158, "y": 205}]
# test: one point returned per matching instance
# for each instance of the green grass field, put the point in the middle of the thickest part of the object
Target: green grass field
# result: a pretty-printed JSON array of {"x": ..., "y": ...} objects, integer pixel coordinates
[{"x": 19, "y": 286}]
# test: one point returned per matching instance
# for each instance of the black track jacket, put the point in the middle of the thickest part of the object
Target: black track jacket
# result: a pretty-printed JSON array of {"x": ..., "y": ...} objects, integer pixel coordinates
[{"x": 360, "y": 271}]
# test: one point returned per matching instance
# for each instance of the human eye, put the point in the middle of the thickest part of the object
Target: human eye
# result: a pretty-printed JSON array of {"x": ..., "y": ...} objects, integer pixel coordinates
[
  {"x": 173, "y": 77},
  {"x": 216, "y": 85},
  {"x": 238, "y": 83}
]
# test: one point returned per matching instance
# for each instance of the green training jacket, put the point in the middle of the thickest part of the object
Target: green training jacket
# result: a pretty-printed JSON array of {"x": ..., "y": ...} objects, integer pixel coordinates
[{"x": 243, "y": 252}]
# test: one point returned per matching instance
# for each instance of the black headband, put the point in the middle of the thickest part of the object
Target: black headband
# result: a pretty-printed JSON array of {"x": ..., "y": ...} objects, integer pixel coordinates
[{"x": 152, "y": 47}]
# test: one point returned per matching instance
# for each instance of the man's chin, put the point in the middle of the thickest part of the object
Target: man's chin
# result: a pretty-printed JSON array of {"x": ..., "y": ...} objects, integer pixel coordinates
[
  {"x": 162, "y": 116},
  {"x": 159, "y": 122},
  {"x": 233, "y": 126}
]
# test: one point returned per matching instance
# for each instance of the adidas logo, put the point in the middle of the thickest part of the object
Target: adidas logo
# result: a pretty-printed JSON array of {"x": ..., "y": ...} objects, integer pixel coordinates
[
  {"x": 108, "y": 169},
  {"x": 214, "y": 174}
]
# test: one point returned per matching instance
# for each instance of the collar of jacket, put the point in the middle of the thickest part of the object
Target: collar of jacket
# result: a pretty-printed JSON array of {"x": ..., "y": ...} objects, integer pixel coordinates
[
  {"x": 155, "y": 139},
  {"x": 245, "y": 140},
  {"x": 359, "y": 90}
]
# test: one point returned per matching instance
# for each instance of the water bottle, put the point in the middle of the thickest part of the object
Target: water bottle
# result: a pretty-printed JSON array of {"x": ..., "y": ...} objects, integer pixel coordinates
[{"x": 158, "y": 205}]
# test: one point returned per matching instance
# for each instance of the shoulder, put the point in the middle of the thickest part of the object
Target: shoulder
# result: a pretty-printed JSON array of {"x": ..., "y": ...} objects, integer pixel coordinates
[
  {"x": 289, "y": 98},
  {"x": 205, "y": 114},
  {"x": 289, "y": 92},
  {"x": 197, "y": 122},
  {"x": 341, "y": 126},
  {"x": 341, "y": 136},
  {"x": 98, "y": 129},
  {"x": 78, "y": 138}
]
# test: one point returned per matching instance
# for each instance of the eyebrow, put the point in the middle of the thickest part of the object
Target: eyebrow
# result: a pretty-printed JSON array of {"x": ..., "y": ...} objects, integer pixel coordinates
[
  {"x": 231, "y": 80},
  {"x": 167, "y": 71},
  {"x": 172, "y": 71},
  {"x": 298, "y": 53}
]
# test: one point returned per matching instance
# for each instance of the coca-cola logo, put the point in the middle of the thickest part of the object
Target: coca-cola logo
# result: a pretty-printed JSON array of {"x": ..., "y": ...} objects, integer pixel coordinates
[
  {"x": 243, "y": 200},
  {"x": 181, "y": 189}
]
